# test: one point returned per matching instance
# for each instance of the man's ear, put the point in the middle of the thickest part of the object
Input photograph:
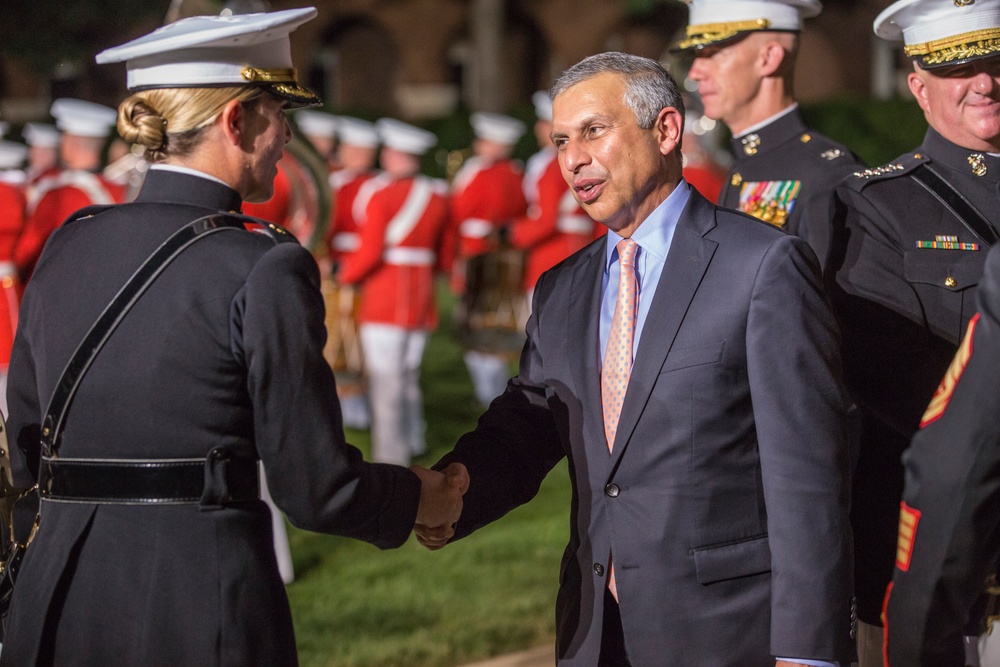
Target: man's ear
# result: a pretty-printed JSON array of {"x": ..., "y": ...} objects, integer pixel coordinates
[
  {"x": 919, "y": 88},
  {"x": 232, "y": 122},
  {"x": 770, "y": 58},
  {"x": 669, "y": 126}
]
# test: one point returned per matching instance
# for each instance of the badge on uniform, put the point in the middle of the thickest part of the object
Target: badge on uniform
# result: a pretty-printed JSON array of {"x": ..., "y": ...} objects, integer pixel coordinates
[
  {"x": 946, "y": 243},
  {"x": 770, "y": 201}
]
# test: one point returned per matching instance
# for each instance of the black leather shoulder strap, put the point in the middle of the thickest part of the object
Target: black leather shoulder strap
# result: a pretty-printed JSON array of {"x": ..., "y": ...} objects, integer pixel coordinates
[
  {"x": 956, "y": 203},
  {"x": 112, "y": 316}
]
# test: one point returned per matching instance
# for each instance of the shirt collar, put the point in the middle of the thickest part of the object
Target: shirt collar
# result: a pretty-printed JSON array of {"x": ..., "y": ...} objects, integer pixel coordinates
[
  {"x": 656, "y": 231},
  {"x": 189, "y": 172}
]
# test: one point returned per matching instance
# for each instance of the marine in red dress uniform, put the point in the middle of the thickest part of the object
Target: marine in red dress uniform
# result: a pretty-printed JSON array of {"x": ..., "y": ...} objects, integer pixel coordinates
[
  {"x": 85, "y": 127},
  {"x": 400, "y": 248}
]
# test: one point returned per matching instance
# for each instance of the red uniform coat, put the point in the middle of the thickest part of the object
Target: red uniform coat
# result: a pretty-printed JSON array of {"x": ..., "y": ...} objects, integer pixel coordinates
[
  {"x": 485, "y": 197},
  {"x": 401, "y": 245},
  {"x": 555, "y": 226},
  {"x": 54, "y": 200},
  {"x": 342, "y": 235},
  {"x": 12, "y": 205},
  {"x": 277, "y": 209}
]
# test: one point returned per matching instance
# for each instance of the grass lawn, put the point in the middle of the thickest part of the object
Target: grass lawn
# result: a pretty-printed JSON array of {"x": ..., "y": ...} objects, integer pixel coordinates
[{"x": 491, "y": 593}]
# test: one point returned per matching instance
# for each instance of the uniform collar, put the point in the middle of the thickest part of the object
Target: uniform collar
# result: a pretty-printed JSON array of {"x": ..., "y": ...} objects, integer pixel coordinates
[
  {"x": 962, "y": 160},
  {"x": 174, "y": 187},
  {"x": 786, "y": 126}
]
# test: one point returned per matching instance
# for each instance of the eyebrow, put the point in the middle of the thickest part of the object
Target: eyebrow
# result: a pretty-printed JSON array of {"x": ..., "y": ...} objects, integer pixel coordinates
[{"x": 584, "y": 123}]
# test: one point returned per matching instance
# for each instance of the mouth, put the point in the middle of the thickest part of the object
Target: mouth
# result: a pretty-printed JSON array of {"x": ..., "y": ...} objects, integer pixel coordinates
[{"x": 587, "y": 190}]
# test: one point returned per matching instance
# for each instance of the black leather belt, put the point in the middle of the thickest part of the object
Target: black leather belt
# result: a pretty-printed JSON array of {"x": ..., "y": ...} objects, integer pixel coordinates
[{"x": 215, "y": 481}]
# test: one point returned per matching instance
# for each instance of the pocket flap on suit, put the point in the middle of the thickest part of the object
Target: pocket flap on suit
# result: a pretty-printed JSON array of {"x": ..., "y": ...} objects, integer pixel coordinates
[
  {"x": 953, "y": 270},
  {"x": 730, "y": 561},
  {"x": 696, "y": 355}
]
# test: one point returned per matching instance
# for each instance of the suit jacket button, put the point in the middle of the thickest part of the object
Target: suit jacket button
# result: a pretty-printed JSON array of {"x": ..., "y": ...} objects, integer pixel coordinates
[
  {"x": 612, "y": 490},
  {"x": 598, "y": 569}
]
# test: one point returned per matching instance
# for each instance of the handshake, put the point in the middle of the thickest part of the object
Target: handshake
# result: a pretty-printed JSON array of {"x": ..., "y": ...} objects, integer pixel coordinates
[{"x": 440, "y": 503}]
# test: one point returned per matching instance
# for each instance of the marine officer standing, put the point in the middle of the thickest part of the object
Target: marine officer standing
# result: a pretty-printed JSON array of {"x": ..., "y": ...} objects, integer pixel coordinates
[
  {"x": 744, "y": 61},
  {"x": 908, "y": 254}
]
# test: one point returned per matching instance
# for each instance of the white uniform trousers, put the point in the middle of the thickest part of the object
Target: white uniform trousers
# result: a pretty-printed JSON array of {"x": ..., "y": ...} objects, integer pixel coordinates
[
  {"x": 392, "y": 364},
  {"x": 489, "y": 373}
]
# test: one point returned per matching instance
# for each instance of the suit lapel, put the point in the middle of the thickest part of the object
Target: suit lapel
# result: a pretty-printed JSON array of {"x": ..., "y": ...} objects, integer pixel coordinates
[
  {"x": 582, "y": 328},
  {"x": 687, "y": 260}
]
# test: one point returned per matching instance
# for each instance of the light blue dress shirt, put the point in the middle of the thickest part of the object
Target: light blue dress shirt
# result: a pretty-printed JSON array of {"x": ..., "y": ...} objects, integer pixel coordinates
[{"x": 654, "y": 236}]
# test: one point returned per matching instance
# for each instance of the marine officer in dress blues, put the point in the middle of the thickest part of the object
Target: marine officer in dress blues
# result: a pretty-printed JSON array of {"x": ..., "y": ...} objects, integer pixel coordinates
[
  {"x": 744, "y": 60},
  {"x": 909, "y": 251}
]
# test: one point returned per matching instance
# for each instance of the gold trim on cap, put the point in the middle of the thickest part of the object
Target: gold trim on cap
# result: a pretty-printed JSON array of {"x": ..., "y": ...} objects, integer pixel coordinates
[
  {"x": 959, "y": 47},
  {"x": 710, "y": 33},
  {"x": 284, "y": 75}
]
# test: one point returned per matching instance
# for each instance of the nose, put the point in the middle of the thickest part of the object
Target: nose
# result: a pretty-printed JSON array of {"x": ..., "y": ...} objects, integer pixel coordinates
[
  {"x": 984, "y": 81},
  {"x": 695, "y": 72},
  {"x": 573, "y": 156}
]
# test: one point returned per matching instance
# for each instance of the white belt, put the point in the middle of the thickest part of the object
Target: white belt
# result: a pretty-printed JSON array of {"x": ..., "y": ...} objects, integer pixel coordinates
[
  {"x": 476, "y": 228},
  {"x": 575, "y": 224},
  {"x": 402, "y": 256},
  {"x": 346, "y": 241}
]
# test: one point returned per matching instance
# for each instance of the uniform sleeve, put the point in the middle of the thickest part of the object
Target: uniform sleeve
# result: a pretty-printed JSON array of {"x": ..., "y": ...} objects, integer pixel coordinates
[
  {"x": 949, "y": 541},
  {"x": 24, "y": 417},
  {"x": 315, "y": 477},
  {"x": 515, "y": 444},
  {"x": 799, "y": 406}
]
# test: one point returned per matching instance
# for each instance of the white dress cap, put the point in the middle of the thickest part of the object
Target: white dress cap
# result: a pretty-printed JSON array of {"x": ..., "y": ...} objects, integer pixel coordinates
[
  {"x": 42, "y": 135},
  {"x": 82, "y": 118},
  {"x": 404, "y": 137},
  {"x": 497, "y": 127},
  {"x": 242, "y": 49},
  {"x": 943, "y": 34},
  {"x": 316, "y": 123},
  {"x": 12, "y": 155},
  {"x": 543, "y": 104},
  {"x": 717, "y": 22},
  {"x": 356, "y": 132}
]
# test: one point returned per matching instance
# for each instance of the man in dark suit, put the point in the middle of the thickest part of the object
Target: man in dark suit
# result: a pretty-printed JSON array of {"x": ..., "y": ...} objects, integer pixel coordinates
[
  {"x": 950, "y": 515},
  {"x": 909, "y": 249},
  {"x": 709, "y": 516}
]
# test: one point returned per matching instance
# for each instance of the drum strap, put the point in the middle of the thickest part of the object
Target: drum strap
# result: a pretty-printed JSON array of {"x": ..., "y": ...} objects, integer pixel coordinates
[{"x": 410, "y": 213}]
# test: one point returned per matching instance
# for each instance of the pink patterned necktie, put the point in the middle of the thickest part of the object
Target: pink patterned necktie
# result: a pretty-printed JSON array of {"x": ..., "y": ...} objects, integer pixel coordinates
[{"x": 618, "y": 355}]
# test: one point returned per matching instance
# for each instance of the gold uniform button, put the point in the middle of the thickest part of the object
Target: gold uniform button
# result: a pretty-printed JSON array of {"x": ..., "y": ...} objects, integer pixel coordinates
[
  {"x": 950, "y": 282},
  {"x": 806, "y": 138}
]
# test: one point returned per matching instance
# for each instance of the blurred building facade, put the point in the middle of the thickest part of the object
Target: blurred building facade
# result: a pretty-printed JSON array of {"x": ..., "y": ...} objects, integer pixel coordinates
[{"x": 420, "y": 59}]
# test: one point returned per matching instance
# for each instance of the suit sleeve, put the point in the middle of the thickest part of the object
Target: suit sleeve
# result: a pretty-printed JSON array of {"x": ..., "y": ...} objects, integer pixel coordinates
[
  {"x": 515, "y": 443},
  {"x": 799, "y": 405},
  {"x": 315, "y": 477},
  {"x": 952, "y": 468}
]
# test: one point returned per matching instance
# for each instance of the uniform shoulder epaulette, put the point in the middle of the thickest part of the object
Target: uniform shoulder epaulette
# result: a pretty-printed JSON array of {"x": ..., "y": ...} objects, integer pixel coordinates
[
  {"x": 901, "y": 166},
  {"x": 824, "y": 148},
  {"x": 87, "y": 212},
  {"x": 276, "y": 233}
]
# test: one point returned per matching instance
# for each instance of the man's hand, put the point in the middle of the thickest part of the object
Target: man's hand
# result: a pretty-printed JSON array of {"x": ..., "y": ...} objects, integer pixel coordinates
[{"x": 440, "y": 503}]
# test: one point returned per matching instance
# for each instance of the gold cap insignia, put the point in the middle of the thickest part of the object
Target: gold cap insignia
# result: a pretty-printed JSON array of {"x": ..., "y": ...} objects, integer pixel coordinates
[{"x": 700, "y": 36}]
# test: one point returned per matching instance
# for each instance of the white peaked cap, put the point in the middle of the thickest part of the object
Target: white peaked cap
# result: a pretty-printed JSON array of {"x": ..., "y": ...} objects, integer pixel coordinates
[
  {"x": 404, "y": 137},
  {"x": 242, "y": 49},
  {"x": 40, "y": 134},
  {"x": 713, "y": 22},
  {"x": 82, "y": 118},
  {"x": 357, "y": 132},
  {"x": 316, "y": 123},
  {"x": 943, "y": 34},
  {"x": 543, "y": 104},
  {"x": 12, "y": 155},
  {"x": 497, "y": 127}
]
